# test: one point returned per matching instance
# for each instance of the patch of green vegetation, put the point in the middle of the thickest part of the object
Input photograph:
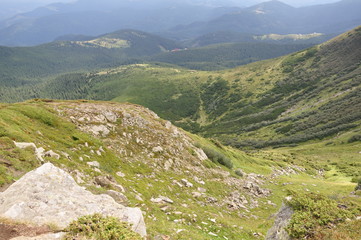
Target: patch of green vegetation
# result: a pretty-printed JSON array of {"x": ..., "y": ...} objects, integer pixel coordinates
[
  {"x": 315, "y": 210},
  {"x": 98, "y": 227}
]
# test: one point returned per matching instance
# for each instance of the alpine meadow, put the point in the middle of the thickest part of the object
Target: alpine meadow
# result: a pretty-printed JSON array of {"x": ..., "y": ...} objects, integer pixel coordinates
[{"x": 189, "y": 120}]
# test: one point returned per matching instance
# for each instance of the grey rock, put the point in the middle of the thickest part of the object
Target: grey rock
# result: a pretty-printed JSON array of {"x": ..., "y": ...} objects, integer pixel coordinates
[
  {"x": 186, "y": 183},
  {"x": 110, "y": 116},
  {"x": 106, "y": 181},
  {"x": 94, "y": 164},
  {"x": 157, "y": 149},
  {"x": 200, "y": 154},
  {"x": 118, "y": 197},
  {"x": 278, "y": 231},
  {"x": 51, "y": 153},
  {"x": 50, "y": 195}
]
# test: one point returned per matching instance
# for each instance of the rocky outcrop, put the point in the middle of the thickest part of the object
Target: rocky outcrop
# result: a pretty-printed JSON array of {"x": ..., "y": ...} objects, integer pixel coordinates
[
  {"x": 39, "y": 152},
  {"x": 48, "y": 195},
  {"x": 278, "y": 230}
]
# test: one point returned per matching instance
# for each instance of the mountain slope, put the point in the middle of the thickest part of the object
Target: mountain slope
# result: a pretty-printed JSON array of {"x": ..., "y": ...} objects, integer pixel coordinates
[
  {"x": 222, "y": 56},
  {"x": 19, "y": 65},
  {"x": 161, "y": 169},
  {"x": 311, "y": 94}
]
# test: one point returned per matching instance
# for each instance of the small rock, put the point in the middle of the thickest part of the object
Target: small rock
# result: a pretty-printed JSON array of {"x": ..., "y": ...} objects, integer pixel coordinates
[
  {"x": 213, "y": 234},
  {"x": 200, "y": 154},
  {"x": 177, "y": 183},
  {"x": 118, "y": 197},
  {"x": 139, "y": 198},
  {"x": 168, "y": 164},
  {"x": 157, "y": 149},
  {"x": 168, "y": 125},
  {"x": 187, "y": 183},
  {"x": 94, "y": 164},
  {"x": 196, "y": 194},
  {"x": 51, "y": 153},
  {"x": 120, "y": 174},
  {"x": 161, "y": 199},
  {"x": 110, "y": 116},
  {"x": 202, "y": 190}
]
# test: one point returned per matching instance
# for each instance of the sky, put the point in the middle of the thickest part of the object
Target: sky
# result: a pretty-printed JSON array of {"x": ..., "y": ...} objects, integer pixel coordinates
[{"x": 9, "y": 8}]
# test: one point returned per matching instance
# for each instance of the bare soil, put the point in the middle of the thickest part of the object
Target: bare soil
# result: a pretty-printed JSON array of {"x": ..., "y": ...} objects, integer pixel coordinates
[{"x": 8, "y": 231}]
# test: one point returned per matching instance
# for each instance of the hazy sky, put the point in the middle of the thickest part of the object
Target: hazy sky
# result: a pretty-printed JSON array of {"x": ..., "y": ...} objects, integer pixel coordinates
[
  {"x": 11, "y": 7},
  {"x": 42, "y": 2}
]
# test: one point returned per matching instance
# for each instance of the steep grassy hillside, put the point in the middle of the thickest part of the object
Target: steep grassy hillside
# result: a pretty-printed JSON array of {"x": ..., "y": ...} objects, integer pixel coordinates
[{"x": 183, "y": 193}]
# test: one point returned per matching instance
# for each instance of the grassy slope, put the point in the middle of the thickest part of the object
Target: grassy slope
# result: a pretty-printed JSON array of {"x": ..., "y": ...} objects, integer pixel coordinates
[
  {"x": 38, "y": 122},
  {"x": 309, "y": 95}
]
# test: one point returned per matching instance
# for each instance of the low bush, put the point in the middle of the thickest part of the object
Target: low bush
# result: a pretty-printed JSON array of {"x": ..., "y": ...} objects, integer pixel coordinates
[
  {"x": 314, "y": 211},
  {"x": 98, "y": 227},
  {"x": 355, "y": 138},
  {"x": 218, "y": 157}
]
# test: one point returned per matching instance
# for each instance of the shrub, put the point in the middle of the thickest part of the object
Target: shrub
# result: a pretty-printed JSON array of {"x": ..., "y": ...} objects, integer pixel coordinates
[
  {"x": 355, "y": 138},
  {"x": 313, "y": 211},
  {"x": 100, "y": 228},
  {"x": 218, "y": 157}
]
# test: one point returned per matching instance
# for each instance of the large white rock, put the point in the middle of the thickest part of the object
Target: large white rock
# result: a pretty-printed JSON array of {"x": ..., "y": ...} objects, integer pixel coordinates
[{"x": 50, "y": 195}]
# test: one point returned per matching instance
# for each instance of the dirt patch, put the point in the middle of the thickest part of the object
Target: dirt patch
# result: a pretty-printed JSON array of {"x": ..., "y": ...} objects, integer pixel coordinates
[{"x": 10, "y": 231}]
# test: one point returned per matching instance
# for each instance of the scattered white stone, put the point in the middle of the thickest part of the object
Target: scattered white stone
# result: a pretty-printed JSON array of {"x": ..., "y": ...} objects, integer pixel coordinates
[
  {"x": 177, "y": 183},
  {"x": 81, "y": 158},
  {"x": 200, "y": 154},
  {"x": 202, "y": 190},
  {"x": 162, "y": 199},
  {"x": 213, "y": 234},
  {"x": 168, "y": 124},
  {"x": 157, "y": 149},
  {"x": 213, "y": 220},
  {"x": 98, "y": 153},
  {"x": 94, "y": 164},
  {"x": 98, "y": 130},
  {"x": 168, "y": 164},
  {"x": 196, "y": 194},
  {"x": 186, "y": 183},
  {"x": 139, "y": 198},
  {"x": 199, "y": 180},
  {"x": 120, "y": 174},
  {"x": 110, "y": 116},
  {"x": 51, "y": 153},
  {"x": 288, "y": 198}
]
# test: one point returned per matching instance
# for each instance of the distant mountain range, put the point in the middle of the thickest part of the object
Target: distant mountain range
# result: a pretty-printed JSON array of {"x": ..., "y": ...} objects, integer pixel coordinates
[
  {"x": 279, "y": 18},
  {"x": 179, "y": 20}
]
